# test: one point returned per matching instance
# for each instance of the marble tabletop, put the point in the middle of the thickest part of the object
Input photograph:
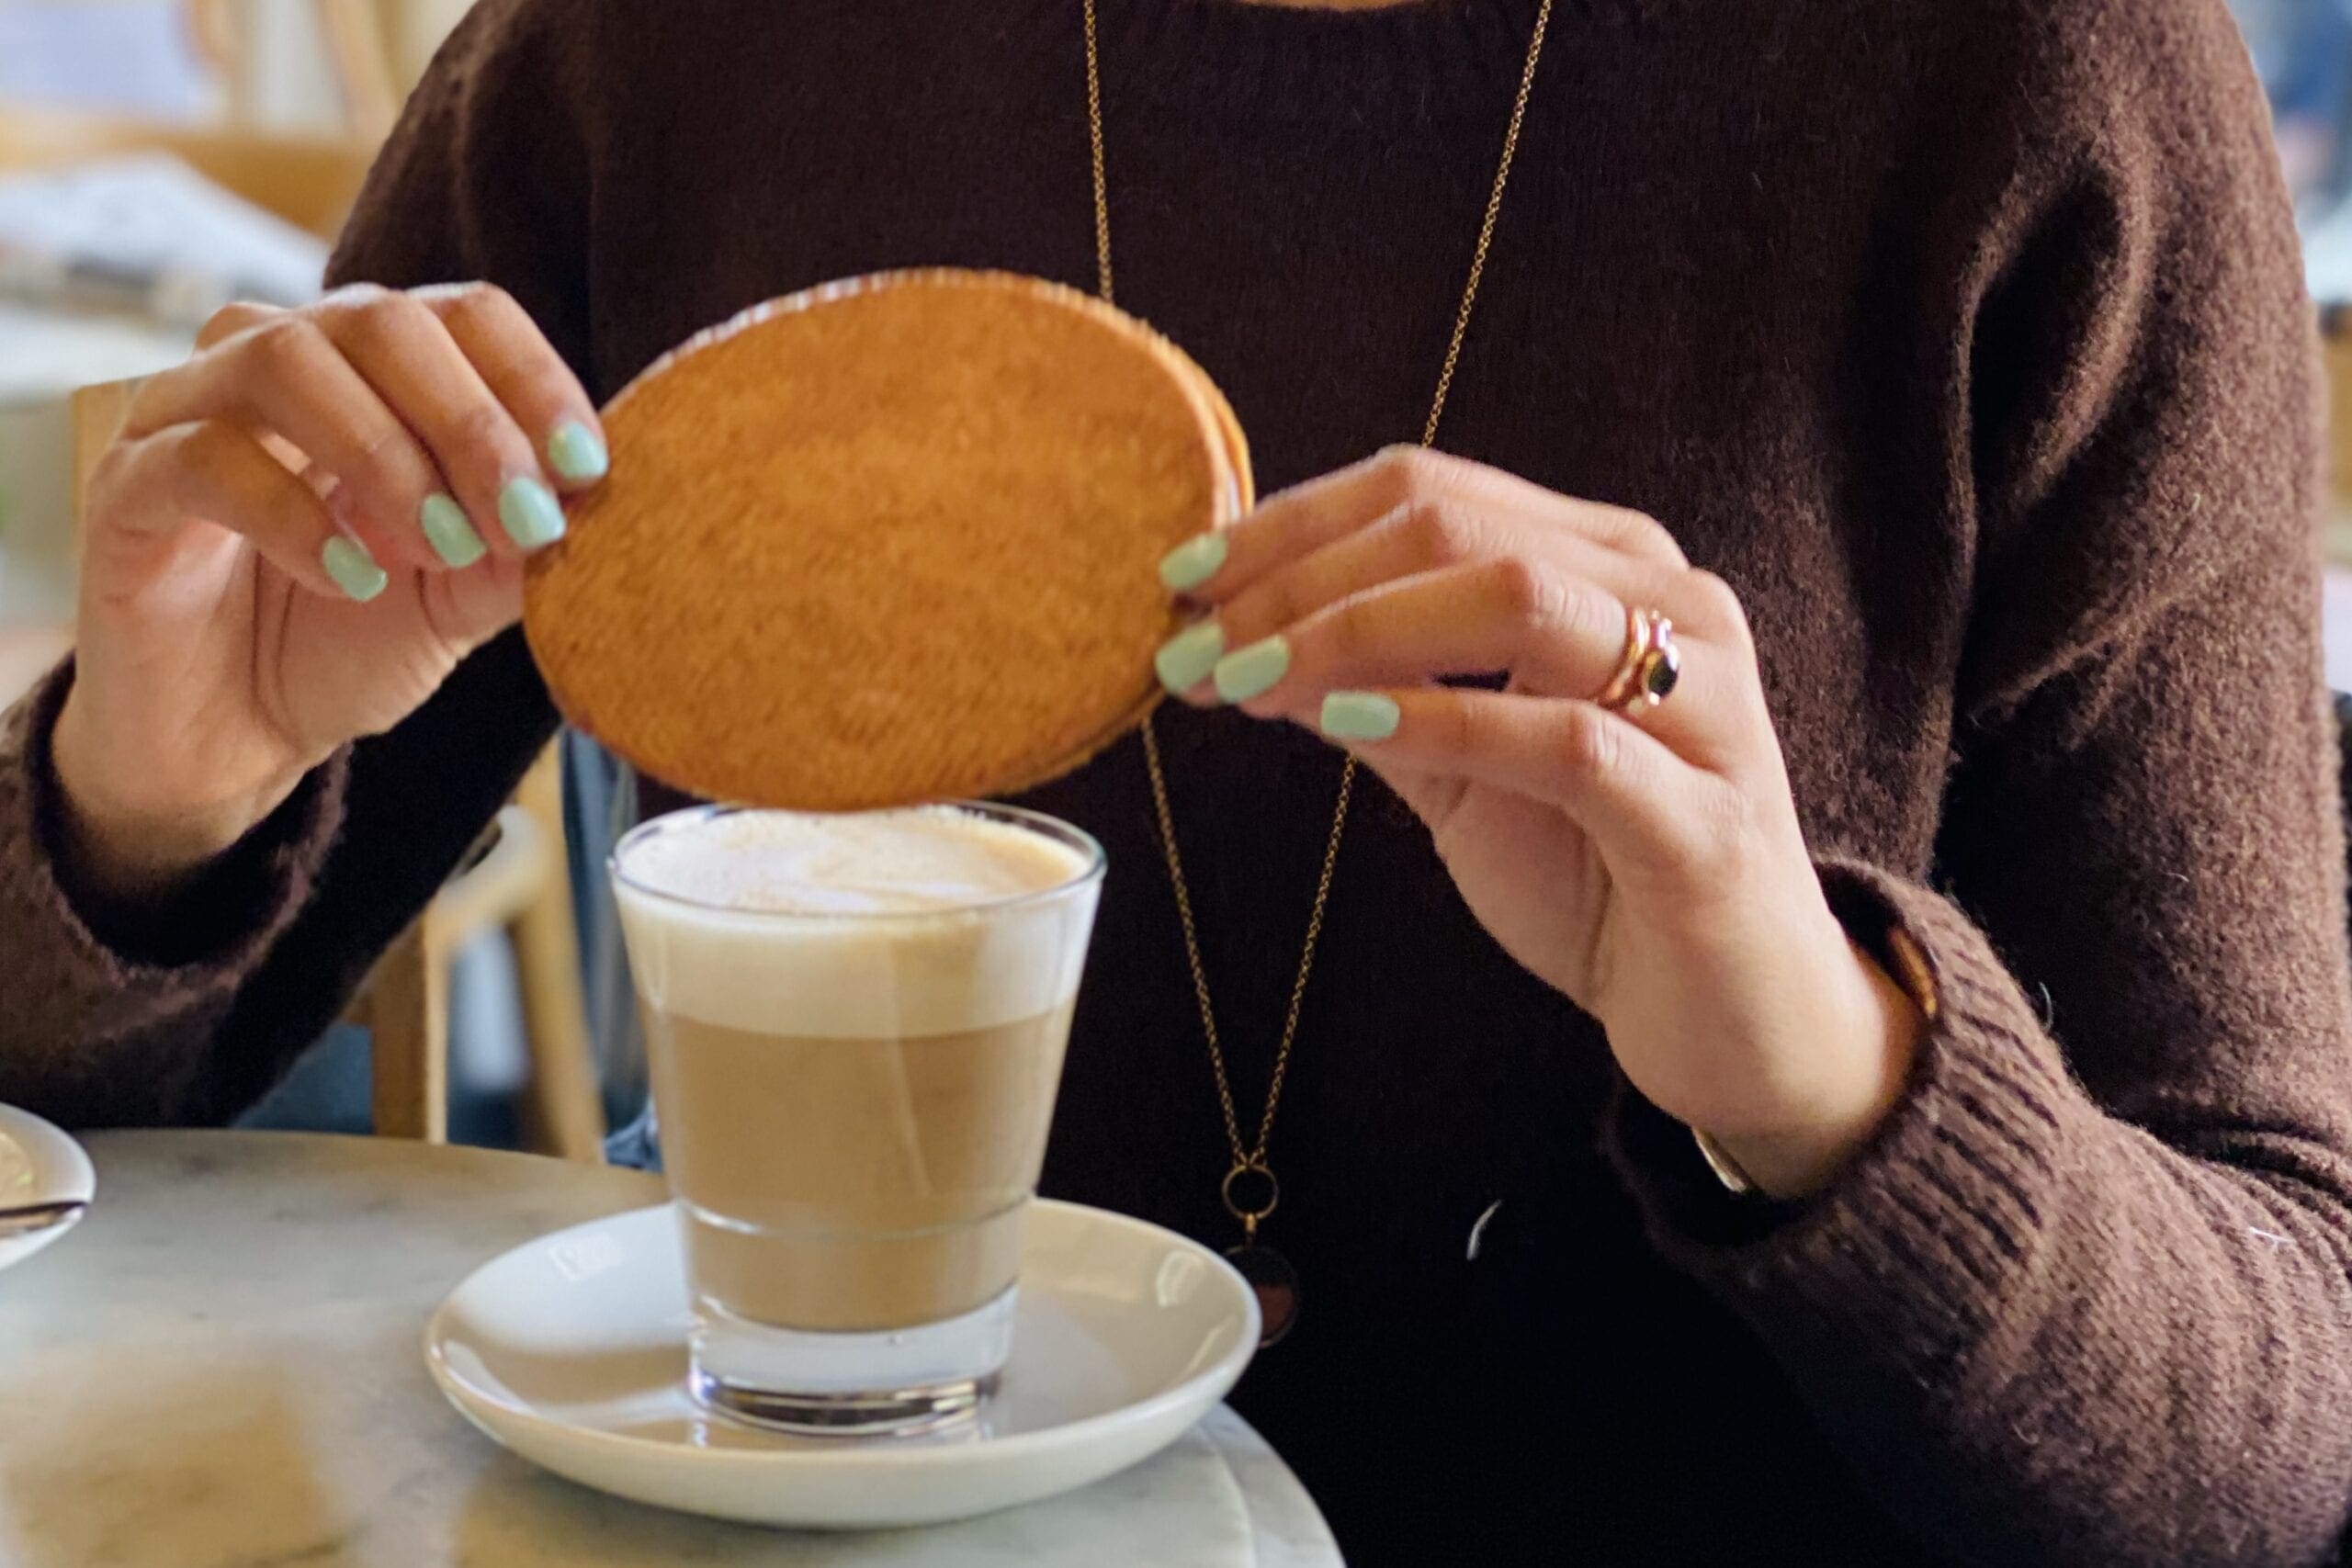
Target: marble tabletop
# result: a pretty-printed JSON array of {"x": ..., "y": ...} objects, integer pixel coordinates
[{"x": 220, "y": 1369}]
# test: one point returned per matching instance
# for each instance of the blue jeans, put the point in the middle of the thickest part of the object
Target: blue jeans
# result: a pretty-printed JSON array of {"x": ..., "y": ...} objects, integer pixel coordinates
[{"x": 635, "y": 1146}]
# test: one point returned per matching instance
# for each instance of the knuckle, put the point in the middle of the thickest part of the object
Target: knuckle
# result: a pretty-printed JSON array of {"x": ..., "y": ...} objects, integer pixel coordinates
[
  {"x": 388, "y": 461},
  {"x": 1473, "y": 730},
  {"x": 153, "y": 396},
  {"x": 1441, "y": 534},
  {"x": 1640, "y": 533},
  {"x": 1345, "y": 639},
  {"x": 384, "y": 319},
  {"x": 1260, "y": 609},
  {"x": 482, "y": 434},
  {"x": 287, "y": 348},
  {"x": 461, "y": 310},
  {"x": 205, "y": 459},
  {"x": 357, "y": 295},
  {"x": 1590, "y": 616},
  {"x": 1476, "y": 728},
  {"x": 482, "y": 306},
  {"x": 210, "y": 447},
  {"x": 1650, "y": 537},
  {"x": 1593, "y": 745},
  {"x": 112, "y": 474},
  {"x": 228, "y": 321},
  {"x": 484, "y": 444},
  {"x": 1715, "y": 605},
  {"x": 1278, "y": 605},
  {"x": 1524, "y": 591},
  {"x": 1413, "y": 470}
]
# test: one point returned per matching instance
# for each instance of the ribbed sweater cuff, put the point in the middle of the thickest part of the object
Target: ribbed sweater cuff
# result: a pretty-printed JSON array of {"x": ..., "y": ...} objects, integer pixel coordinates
[
  {"x": 206, "y": 938},
  {"x": 1911, "y": 1250}
]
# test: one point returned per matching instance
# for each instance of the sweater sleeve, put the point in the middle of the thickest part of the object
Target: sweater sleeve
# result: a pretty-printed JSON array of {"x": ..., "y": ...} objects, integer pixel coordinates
[
  {"x": 111, "y": 1016},
  {"x": 2085, "y": 1299}
]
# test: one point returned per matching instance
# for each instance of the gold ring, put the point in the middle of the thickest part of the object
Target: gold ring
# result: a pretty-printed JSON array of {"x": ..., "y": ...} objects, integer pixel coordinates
[{"x": 1650, "y": 668}]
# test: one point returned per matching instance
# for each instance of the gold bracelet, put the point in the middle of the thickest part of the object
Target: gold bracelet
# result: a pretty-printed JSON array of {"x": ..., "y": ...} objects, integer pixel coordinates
[
  {"x": 1907, "y": 962},
  {"x": 1909, "y": 967},
  {"x": 1727, "y": 1169}
]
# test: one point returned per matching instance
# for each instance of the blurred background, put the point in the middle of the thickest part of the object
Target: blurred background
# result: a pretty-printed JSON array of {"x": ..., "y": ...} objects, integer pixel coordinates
[
  {"x": 2302, "y": 50},
  {"x": 285, "y": 65},
  {"x": 158, "y": 157}
]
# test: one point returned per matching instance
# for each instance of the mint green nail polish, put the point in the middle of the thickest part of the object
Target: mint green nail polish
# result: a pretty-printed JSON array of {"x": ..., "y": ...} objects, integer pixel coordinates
[
  {"x": 447, "y": 531},
  {"x": 575, "y": 454},
  {"x": 530, "y": 513},
  {"x": 1186, "y": 659},
  {"x": 1254, "y": 670},
  {"x": 354, "y": 570},
  {"x": 1192, "y": 562},
  {"x": 1359, "y": 715}
]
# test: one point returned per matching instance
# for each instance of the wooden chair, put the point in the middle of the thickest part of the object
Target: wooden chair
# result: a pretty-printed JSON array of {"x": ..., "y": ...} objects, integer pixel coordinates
[
  {"x": 522, "y": 885},
  {"x": 2336, "y": 352},
  {"x": 357, "y": 36}
]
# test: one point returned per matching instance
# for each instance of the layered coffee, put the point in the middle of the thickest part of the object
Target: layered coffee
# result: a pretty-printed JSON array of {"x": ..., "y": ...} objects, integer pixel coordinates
[{"x": 855, "y": 1028}]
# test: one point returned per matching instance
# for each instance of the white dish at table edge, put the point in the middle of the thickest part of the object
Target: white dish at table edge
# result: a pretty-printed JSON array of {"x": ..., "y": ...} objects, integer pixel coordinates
[
  {"x": 39, "y": 1164},
  {"x": 606, "y": 1300}
]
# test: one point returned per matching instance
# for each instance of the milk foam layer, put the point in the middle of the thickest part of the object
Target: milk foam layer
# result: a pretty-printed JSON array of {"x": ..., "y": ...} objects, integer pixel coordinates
[
  {"x": 880, "y": 863},
  {"x": 880, "y": 925}
]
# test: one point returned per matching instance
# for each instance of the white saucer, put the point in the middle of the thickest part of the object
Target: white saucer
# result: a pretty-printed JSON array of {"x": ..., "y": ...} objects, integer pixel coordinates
[
  {"x": 39, "y": 1165},
  {"x": 570, "y": 1350}
]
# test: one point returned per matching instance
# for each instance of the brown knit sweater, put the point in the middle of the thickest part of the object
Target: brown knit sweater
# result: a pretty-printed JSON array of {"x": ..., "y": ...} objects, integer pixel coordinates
[{"x": 1964, "y": 337}]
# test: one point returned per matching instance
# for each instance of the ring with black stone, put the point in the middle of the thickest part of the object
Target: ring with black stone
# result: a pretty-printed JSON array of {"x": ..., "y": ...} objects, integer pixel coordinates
[{"x": 1650, "y": 668}]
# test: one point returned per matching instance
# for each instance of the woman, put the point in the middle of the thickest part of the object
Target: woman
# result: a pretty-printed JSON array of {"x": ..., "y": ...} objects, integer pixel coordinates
[{"x": 1981, "y": 908}]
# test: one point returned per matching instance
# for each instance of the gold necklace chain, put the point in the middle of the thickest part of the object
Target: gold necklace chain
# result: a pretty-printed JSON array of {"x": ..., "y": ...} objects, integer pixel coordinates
[{"x": 1250, "y": 1160}]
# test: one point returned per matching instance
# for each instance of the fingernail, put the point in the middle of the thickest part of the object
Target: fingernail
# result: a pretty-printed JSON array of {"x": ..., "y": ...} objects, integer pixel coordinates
[
  {"x": 575, "y": 454},
  {"x": 1254, "y": 670},
  {"x": 448, "y": 532},
  {"x": 1186, "y": 659},
  {"x": 530, "y": 513},
  {"x": 354, "y": 570},
  {"x": 1359, "y": 715},
  {"x": 1192, "y": 562}
]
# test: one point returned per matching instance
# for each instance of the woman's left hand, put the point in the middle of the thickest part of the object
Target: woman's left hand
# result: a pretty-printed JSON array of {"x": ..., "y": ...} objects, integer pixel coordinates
[{"x": 1647, "y": 863}]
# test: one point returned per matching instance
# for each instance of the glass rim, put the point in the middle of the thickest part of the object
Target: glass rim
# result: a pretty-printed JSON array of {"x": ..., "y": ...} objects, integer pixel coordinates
[{"x": 1038, "y": 822}]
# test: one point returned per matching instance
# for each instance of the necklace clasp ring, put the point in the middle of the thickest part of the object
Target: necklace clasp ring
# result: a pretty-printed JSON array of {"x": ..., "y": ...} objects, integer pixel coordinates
[{"x": 1240, "y": 1204}]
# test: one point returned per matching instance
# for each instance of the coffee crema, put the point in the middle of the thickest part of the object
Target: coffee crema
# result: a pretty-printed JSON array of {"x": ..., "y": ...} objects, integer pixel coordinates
[{"x": 856, "y": 1027}]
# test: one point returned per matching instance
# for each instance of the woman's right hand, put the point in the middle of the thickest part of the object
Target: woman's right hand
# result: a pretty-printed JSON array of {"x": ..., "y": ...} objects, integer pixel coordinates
[{"x": 292, "y": 541}]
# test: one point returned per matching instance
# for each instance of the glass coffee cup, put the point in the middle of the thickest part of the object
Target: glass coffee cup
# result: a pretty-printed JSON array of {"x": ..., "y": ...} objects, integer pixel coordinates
[{"x": 854, "y": 1026}]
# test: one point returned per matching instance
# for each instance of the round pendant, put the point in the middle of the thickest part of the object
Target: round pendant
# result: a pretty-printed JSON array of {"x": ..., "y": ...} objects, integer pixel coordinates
[{"x": 1276, "y": 1284}]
